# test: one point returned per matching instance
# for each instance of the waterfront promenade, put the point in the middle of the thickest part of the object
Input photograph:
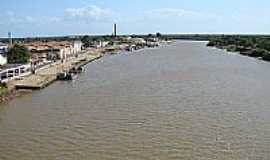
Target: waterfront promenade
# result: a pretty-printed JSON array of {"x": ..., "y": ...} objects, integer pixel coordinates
[{"x": 47, "y": 74}]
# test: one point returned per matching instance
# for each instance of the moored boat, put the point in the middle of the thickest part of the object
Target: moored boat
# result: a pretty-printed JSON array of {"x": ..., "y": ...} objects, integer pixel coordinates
[
  {"x": 76, "y": 70},
  {"x": 64, "y": 76}
]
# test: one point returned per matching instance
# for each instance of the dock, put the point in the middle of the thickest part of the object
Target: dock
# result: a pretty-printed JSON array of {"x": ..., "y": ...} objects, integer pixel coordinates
[{"x": 48, "y": 75}]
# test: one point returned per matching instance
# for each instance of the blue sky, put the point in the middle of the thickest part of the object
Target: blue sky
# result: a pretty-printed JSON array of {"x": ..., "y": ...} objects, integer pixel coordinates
[{"x": 26, "y": 18}]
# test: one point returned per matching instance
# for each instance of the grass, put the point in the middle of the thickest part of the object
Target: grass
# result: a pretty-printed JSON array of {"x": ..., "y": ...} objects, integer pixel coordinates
[{"x": 3, "y": 89}]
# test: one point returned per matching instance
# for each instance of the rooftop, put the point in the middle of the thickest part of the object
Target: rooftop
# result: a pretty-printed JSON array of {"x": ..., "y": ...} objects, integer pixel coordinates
[{"x": 39, "y": 46}]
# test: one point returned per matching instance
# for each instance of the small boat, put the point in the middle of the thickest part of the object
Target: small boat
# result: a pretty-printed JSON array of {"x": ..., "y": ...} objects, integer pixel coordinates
[
  {"x": 64, "y": 76},
  {"x": 76, "y": 70},
  {"x": 80, "y": 69}
]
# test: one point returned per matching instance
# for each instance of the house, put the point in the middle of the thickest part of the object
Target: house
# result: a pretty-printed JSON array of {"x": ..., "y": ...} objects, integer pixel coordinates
[
  {"x": 138, "y": 41},
  {"x": 77, "y": 46},
  {"x": 42, "y": 52},
  {"x": 3, "y": 60},
  {"x": 98, "y": 44},
  {"x": 102, "y": 44},
  {"x": 3, "y": 52}
]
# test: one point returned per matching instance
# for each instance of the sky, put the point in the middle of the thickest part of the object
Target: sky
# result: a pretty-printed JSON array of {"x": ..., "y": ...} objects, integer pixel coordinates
[{"x": 30, "y": 18}]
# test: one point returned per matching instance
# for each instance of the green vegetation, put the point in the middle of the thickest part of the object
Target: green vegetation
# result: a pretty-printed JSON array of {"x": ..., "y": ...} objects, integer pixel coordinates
[
  {"x": 159, "y": 35},
  {"x": 89, "y": 41},
  {"x": 3, "y": 88},
  {"x": 18, "y": 54},
  {"x": 253, "y": 46}
]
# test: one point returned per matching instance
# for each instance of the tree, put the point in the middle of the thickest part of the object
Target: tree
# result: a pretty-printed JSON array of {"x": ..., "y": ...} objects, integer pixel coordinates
[
  {"x": 150, "y": 35},
  {"x": 158, "y": 35},
  {"x": 86, "y": 40},
  {"x": 18, "y": 54}
]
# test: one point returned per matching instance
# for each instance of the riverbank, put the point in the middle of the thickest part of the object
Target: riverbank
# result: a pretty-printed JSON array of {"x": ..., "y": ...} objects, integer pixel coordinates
[
  {"x": 48, "y": 74},
  {"x": 45, "y": 76},
  {"x": 251, "y": 46}
]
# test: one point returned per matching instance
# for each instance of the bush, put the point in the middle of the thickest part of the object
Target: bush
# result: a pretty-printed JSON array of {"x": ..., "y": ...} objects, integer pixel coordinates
[
  {"x": 211, "y": 44},
  {"x": 3, "y": 85},
  {"x": 18, "y": 54},
  {"x": 266, "y": 57},
  {"x": 257, "y": 53}
]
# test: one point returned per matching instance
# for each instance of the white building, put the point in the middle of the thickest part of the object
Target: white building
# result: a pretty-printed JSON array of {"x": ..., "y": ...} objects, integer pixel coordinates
[
  {"x": 102, "y": 44},
  {"x": 77, "y": 46},
  {"x": 3, "y": 51},
  {"x": 138, "y": 41},
  {"x": 3, "y": 60},
  {"x": 43, "y": 51}
]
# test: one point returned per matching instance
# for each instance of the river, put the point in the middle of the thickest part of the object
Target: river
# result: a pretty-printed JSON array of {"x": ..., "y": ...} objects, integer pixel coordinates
[{"x": 183, "y": 101}]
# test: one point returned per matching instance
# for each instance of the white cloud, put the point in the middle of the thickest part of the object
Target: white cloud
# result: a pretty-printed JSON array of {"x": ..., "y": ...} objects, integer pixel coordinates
[
  {"x": 164, "y": 12},
  {"x": 48, "y": 19},
  {"x": 12, "y": 18},
  {"x": 176, "y": 13},
  {"x": 89, "y": 12},
  {"x": 29, "y": 19},
  {"x": 10, "y": 13}
]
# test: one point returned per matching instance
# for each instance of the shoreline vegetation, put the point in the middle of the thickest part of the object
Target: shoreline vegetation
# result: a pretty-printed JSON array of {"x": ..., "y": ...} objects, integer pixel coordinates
[{"x": 251, "y": 46}]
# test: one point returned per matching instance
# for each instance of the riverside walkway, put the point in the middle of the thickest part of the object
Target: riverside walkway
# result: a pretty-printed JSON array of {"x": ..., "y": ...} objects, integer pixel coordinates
[{"x": 47, "y": 75}]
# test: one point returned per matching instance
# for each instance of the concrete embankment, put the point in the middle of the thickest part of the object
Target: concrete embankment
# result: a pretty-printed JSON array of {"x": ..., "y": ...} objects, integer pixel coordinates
[{"x": 47, "y": 75}]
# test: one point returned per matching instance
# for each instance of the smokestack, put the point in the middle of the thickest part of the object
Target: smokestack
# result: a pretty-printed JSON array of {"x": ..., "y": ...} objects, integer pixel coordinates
[
  {"x": 10, "y": 39},
  {"x": 115, "y": 30}
]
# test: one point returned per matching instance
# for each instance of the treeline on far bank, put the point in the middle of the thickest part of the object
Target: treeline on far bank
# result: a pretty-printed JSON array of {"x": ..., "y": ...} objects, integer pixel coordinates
[{"x": 249, "y": 45}]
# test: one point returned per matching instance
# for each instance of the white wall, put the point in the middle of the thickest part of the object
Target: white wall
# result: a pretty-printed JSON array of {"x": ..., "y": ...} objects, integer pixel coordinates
[
  {"x": 3, "y": 60},
  {"x": 77, "y": 46}
]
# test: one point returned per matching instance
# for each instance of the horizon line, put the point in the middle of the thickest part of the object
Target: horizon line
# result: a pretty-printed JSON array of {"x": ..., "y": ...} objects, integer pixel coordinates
[{"x": 139, "y": 34}]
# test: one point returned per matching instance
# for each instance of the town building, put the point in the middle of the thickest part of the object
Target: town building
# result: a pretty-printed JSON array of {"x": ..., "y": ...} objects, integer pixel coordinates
[
  {"x": 77, "y": 45},
  {"x": 3, "y": 60},
  {"x": 3, "y": 53},
  {"x": 102, "y": 44},
  {"x": 44, "y": 52},
  {"x": 98, "y": 44},
  {"x": 138, "y": 41}
]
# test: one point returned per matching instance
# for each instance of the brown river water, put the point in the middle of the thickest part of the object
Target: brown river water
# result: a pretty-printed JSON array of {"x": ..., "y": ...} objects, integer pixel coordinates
[{"x": 179, "y": 102}]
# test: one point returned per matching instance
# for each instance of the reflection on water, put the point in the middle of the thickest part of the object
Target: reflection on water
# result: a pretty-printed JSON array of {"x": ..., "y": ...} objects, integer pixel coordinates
[{"x": 185, "y": 101}]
